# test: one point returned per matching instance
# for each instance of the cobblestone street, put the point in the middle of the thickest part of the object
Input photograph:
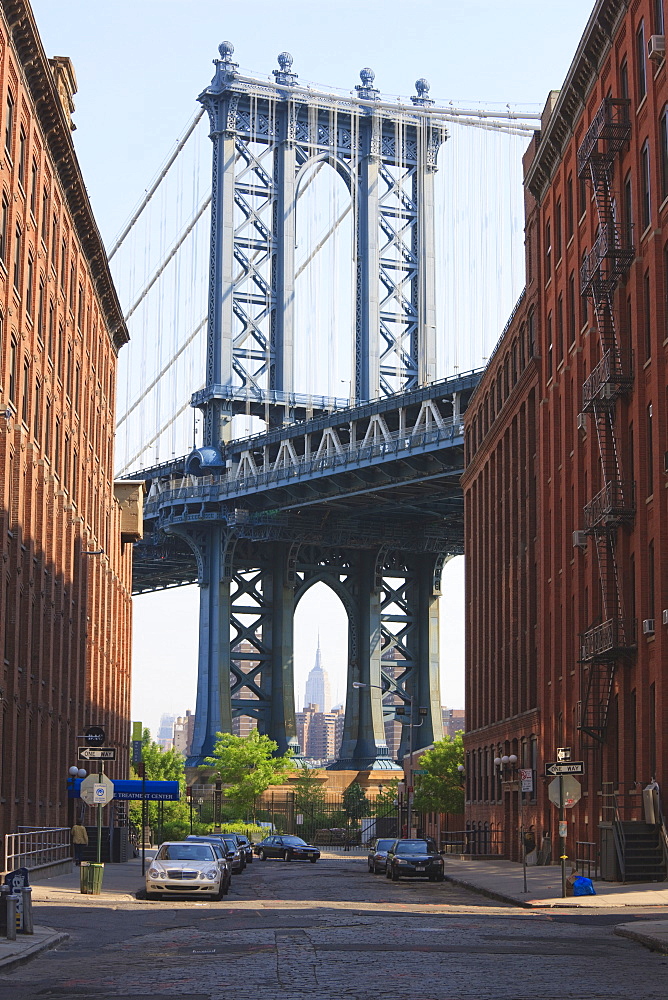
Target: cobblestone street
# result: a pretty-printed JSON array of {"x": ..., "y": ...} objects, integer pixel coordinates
[{"x": 333, "y": 931}]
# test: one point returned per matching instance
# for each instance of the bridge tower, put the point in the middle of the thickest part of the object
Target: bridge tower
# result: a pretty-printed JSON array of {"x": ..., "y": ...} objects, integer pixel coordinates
[{"x": 265, "y": 135}]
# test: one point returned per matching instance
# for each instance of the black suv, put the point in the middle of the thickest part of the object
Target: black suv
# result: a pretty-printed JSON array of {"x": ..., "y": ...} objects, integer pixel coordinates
[{"x": 419, "y": 858}]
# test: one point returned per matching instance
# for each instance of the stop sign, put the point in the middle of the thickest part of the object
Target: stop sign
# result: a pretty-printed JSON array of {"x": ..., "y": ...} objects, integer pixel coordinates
[{"x": 572, "y": 791}]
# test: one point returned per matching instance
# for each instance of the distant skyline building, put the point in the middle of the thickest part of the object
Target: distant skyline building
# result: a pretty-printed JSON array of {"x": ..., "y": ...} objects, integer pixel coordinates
[{"x": 317, "y": 685}]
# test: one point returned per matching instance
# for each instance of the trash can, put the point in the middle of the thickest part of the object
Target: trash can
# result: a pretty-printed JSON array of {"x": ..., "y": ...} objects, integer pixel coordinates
[{"x": 91, "y": 878}]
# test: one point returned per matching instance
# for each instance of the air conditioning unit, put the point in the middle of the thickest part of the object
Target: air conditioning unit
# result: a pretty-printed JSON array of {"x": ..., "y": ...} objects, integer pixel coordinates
[
  {"x": 656, "y": 48},
  {"x": 648, "y": 626},
  {"x": 665, "y": 617},
  {"x": 582, "y": 422},
  {"x": 580, "y": 539},
  {"x": 608, "y": 391},
  {"x": 665, "y": 460}
]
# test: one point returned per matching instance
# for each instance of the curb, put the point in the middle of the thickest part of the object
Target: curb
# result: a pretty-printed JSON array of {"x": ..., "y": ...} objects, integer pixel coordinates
[
  {"x": 499, "y": 897},
  {"x": 51, "y": 940},
  {"x": 648, "y": 940}
]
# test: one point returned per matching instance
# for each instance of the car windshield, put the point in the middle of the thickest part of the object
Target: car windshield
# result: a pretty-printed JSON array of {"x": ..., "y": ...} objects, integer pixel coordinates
[
  {"x": 294, "y": 842},
  {"x": 231, "y": 844},
  {"x": 185, "y": 852},
  {"x": 384, "y": 845},
  {"x": 413, "y": 847}
]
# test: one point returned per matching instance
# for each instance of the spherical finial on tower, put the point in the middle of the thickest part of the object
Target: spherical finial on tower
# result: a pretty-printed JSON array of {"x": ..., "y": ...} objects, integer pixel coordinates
[
  {"x": 285, "y": 61},
  {"x": 422, "y": 87},
  {"x": 226, "y": 50},
  {"x": 367, "y": 76},
  {"x": 366, "y": 90},
  {"x": 284, "y": 75}
]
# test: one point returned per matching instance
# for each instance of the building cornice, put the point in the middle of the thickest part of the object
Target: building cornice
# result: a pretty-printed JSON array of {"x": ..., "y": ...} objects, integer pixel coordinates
[
  {"x": 57, "y": 135},
  {"x": 581, "y": 77},
  {"x": 498, "y": 732}
]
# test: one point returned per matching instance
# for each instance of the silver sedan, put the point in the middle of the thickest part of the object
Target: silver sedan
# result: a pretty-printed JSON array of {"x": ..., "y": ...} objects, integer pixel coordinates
[{"x": 181, "y": 868}]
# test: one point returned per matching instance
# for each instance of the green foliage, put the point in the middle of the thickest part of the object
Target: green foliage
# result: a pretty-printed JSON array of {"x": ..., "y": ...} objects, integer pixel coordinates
[
  {"x": 385, "y": 803},
  {"x": 355, "y": 802},
  {"x": 440, "y": 789},
  {"x": 163, "y": 765},
  {"x": 309, "y": 795},
  {"x": 247, "y": 766}
]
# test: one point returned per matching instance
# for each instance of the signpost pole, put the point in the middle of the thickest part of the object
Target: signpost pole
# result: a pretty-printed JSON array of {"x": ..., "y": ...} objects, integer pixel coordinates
[
  {"x": 523, "y": 844},
  {"x": 99, "y": 820},
  {"x": 562, "y": 839},
  {"x": 143, "y": 818}
]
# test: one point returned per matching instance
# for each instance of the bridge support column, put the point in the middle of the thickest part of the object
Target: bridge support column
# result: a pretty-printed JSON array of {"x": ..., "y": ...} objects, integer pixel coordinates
[
  {"x": 213, "y": 713},
  {"x": 364, "y": 746},
  {"x": 282, "y": 724}
]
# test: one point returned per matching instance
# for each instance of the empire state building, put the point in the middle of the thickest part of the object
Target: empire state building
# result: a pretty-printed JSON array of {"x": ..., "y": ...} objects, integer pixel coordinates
[{"x": 317, "y": 686}]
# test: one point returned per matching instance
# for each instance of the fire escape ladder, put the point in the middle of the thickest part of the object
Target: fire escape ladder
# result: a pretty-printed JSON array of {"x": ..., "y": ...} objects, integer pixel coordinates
[{"x": 612, "y": 637}]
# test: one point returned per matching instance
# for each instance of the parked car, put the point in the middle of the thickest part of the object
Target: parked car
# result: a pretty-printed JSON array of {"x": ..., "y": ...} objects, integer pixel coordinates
[
  {"x": 183, "y": 867},
  {"x": 246, "y": 846},
  {"x": 418, "y": 858},
  {"x": 378, "y": 853},
  {"x": 235, "y": 856},
  {"x": 288, "y": 848}
]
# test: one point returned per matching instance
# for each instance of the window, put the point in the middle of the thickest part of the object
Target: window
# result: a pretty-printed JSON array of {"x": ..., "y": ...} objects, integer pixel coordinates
[
  {"x": 645, "y": 187},
  {"x": 650, "y": 580},
  {"x": 56, "y": 449},
  {"x": 77, "y": 387},
  {"x": 557, "y": 231},
  {"x": 33, "y": 189},
  {"x": 571, "y": 309},
  {"x": 658, "y": 18},
  {"x": 80, "y": 308},
  {"x": 47, "y": 429},
  {"x": 68, "y": 384},
  {"x": 59, "y": 359},
  {"x": 647, "y": 306},
  {"x": 650, "y": 453},
  {"x": 72, "y": 283},
  {"x": 570, "y": 220},
  {"x": 627, "y": 206},
  {"x": 13, "y": 357},
  {"x": 54, "y": 240},
  {"x": 560, "y": 329},
  {"x": 40, "y": 311},
  {"x": 30, "y": 285},
  {"x": 582, "y": 195},
  {"x": 9, "y": 125},
  {"x": 52, "y": 319},
  {"x": 663, "y": 152},
  {"x": 17, "y": 259},
  {"x": 531, "y": 328},
  {"x": 641, "y": 73},
  {"x": 549, "y": 345},
  {"x": 548, "y": 250},
  {"x": 45, "y": 216},
  {"x": 22, "y": 157},
  {"x": 36, "y": 413},
  {"x": 63, "y": 262},
  {"x": 584, "y": 305},
  {"x": 624, "y": 91},
  {"x": 26, "y": 390},
  {"x": 75, "y": 469},
  {"x": 4, "y": 224}
]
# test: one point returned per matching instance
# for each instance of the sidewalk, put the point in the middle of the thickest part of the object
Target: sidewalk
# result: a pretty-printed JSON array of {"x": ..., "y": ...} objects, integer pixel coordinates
[{"x": 504, "y": 880}]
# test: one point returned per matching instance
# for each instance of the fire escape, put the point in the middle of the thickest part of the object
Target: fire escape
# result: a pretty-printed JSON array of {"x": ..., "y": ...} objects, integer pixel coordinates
[{"x": 612, "y": 638}]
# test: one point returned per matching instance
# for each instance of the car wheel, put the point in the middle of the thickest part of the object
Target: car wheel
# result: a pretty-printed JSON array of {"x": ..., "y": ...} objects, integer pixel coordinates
[
  {"x": 287, "y": 856},
  {"x": 262, "y": 855},
  {"x": 440, "y": 878},
  {"x": 388, "y": 874},
  {"x": 313, "y": 860},
  {"x": 249, "y": 859},
  {"x": 394, "y": 875},
  {"x": 154, "y": 895},
  {"x": 221, "y": 892}
]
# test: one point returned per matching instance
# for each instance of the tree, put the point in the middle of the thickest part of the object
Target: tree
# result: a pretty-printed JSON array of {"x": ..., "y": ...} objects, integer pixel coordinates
[
  {"x": 169, "y": 819},
  {"x": 440, "y": 789},
  {"x": 355, "y": 802},
  {"x": 386, "y": 801},
  {"x": 309, "y": 795},
  {"x": 247, "y": 765}
]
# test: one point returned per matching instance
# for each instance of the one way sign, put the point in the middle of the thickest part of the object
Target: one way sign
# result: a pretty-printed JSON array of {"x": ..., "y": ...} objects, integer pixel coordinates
[
  {"x": 565, "y": 767},
  {"x": 97, "y": 753}
]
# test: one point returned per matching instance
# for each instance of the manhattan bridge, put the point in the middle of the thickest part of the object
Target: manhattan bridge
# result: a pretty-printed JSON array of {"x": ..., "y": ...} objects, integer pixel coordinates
[{"x": 284, "y": 404}]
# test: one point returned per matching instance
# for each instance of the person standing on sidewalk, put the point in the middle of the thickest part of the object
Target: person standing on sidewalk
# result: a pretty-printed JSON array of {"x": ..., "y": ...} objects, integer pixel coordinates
[{"x": 79, "y": 841}]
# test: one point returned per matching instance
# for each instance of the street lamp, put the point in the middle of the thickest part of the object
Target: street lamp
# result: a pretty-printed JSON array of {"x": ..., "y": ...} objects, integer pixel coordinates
[
  {"x": 399, "y": 709},
  {"x": 510, "y": 761}
]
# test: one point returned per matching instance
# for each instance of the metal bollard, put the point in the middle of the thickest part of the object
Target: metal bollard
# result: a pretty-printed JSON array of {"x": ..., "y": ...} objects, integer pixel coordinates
[
  {"x": 12, "y": 905},
  {"x": 28, "y": 925}
]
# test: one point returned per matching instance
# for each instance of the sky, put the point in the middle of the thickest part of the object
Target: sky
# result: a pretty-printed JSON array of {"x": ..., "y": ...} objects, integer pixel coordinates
[{"x": 139, "y": 68}]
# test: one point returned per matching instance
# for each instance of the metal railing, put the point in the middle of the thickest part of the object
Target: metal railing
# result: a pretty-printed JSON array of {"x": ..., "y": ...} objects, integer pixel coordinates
[
  {"x": 613, "y": 636},
  {"x": 36, "y": 847},
  {"x": 587, "y": 858},
  {"x": 613, "y": 503},
  {"x": 484, "y": 840}
]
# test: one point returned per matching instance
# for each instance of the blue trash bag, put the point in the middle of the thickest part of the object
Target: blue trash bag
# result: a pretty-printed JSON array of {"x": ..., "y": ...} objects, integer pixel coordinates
[{"x": 583, "y": 886}]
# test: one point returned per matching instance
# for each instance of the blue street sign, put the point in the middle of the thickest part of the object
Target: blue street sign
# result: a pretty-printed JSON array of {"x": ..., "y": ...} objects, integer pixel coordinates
[
  {"x": 136, "y": 751},
  {"x": 156, "y": 791}
]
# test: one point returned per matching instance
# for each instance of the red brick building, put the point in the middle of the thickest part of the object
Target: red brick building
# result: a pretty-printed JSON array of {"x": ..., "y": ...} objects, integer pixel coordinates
[
  {"x": 565, "y": 487},
  {"x": 65, "y": 565}
]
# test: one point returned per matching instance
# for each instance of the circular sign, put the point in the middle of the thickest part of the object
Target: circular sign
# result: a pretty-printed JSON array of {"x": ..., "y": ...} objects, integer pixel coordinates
[{"x": 94, "y": 736}]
